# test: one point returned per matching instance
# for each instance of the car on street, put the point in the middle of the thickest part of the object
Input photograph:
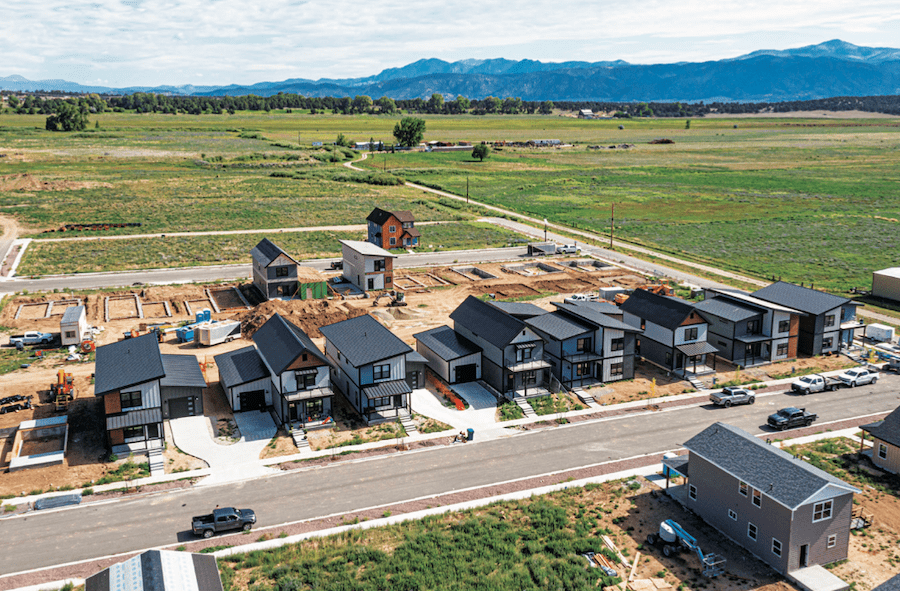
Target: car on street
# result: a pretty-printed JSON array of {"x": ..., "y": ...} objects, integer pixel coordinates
[
  {"x": 788, "y": 418},
  {"x": 567, "y": 249},
  {"x": 858, "y": 376},
  {"x": 732, "y": 395},
  {"x": 222, "y": 519},
  {"x": 815, "y": 383}
]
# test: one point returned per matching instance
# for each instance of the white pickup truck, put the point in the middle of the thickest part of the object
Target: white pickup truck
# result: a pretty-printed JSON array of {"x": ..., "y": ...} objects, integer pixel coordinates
[
  {"x": 858, "y": 376},
  {"x": 567, "y": 249},
  {"x": 815, "y": 383},
  {"x": 31, "y": 338}
]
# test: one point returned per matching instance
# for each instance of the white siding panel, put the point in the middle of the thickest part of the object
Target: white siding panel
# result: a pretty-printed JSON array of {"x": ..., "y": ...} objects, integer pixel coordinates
[
  {"x": 679, "y": 333},
  {"x": 261, "y": 384},
  {"x": 656, "y": 332}
]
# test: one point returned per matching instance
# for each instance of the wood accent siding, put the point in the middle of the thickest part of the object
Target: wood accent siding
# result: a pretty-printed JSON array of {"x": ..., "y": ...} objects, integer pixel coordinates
[
  {"x": 397, "y": 234},
  {"x": 693, "y": 318},
  {"x": 117, "y": 436},
  {"x": 311, "y": 361},
  {"x": 112, "y": 402},
  {"x": 892, "y": 462}
]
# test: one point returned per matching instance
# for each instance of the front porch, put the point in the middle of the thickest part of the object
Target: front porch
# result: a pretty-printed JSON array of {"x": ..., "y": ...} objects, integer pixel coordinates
[
  {"x": 307, "y": 409},
  {"x": 527, "y": 379},
  {"x": 386, "y": 401},
  {"x": 582, "y": 370}
]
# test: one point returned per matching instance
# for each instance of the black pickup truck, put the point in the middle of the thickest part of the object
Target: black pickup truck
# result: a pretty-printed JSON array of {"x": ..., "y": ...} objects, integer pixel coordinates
[
  {"x": 790, "y": 417},
  {"x": 226, "y": 519}
]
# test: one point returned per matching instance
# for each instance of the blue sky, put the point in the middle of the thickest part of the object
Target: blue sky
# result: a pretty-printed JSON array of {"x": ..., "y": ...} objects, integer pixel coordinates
[{"x": 211, "y": 42}]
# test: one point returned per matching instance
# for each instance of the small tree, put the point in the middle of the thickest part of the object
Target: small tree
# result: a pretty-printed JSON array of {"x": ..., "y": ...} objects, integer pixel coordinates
[
  {"x": 481, "y": 151},
  {"x": 409, "y": 131},
  {"x": 68, "y": 117},
  {"x": 687, "y": 124},
  {"x": 342, "y": 140}
]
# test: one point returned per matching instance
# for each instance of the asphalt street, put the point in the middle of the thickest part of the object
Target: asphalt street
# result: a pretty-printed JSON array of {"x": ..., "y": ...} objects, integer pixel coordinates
[{"x": 102, "y": 529}]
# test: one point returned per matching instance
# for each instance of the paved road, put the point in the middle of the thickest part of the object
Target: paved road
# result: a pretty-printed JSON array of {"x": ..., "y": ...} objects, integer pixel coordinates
[{"x": 108, "y": 528}]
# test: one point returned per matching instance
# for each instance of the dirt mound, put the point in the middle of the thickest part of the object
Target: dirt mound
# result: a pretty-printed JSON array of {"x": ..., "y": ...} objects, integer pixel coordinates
[
  {"x": 309, "y": 315},
  {"x": 27, "y": 182}
]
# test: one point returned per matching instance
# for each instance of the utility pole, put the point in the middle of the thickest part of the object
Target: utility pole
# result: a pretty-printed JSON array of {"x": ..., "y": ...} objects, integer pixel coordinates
[
  {"x": 545, "y": 229},
  {"x": 467, "y": 188},
  {"x": 612, "y": 222}
]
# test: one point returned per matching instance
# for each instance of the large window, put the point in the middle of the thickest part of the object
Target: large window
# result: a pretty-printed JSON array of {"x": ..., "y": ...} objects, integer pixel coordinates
[
  {"x": 523, "y": 355},
  {"x": 822, "y": 511},
  {"x": 378, "y": 264},
  {"x": 281, "y": 271},
  {"x": 617, "y": 345},
  {"x": 134, "y": 432},
  {"x": 582, "y": 369},
  {"x": 753, "y": 326},
  {"x": 751, "y": 531},
  {"x": 776, "y": 547},
  {"x": 784, "y": 325},
  {"x": 130, "y": 399},
  {"x": 828, "y": 343},
  {"x": 616, "y": 369},
  {"x": 583, "y": 345},
  {"x": 529, "y": 378},
  {"x": 690, "y": 334},
  {"x": 314, "y": 408},
  {"x": 782, "y": 350},
  {"x": 381, "y": 372},
  {"x": 306, "y": 381},
  {"x": 829, "y": 320},
  {"x": 757, "y": 498},
  {"x": 70, "y": 334},
  {"x": 380, "y": 402}
]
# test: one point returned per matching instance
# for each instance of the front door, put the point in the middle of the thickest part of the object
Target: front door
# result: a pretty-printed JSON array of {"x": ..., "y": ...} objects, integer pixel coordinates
[
  {"x": 804, "y": 555},
  {"x": 371, "y": 283}
]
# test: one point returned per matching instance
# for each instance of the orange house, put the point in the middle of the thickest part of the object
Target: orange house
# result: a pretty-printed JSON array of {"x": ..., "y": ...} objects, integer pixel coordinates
[{"x": 392, "y": 229}]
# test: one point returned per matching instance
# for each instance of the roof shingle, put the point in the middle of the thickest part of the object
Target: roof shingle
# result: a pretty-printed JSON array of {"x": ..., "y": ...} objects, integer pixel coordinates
[
  {"x": 240, "y": 367},
  {"x": 800, "y": 298},
  {"x": 488, "y": 322},
  {"x": 280, "y": 343}
]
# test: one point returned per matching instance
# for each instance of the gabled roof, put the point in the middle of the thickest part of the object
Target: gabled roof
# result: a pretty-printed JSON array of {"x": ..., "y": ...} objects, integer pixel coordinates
[
  {"x": 127, "y": 363},
  {"x": 665, "y": 311},
  {"x": 380, "y": 216},
  {"x": 414, "y": 233},
  {"x": 366, "y": 248},
  {"x": 591, "y": 312},
  {"x": 486, "y": 321},
  {"x": 267, "y": 251},
  {"x": 72, "y": 314},
  {"x": 240, "y": 367},
  {"x": 727, "y": 310},
  {"x": 280, "y": 343},
  {"x": 447, "y": 343},
  {"x": 520, "y": 310},
  {"x": 363, "y": 340},
  {"x": 776, "y": 473},
  {"x": 559, "y": 326},
  {"x": 749, "y": 299},
  {"x": 159, "y": 570},
  {"x": 182, "y": 370},
  {"x": 804, "y": 299},
  {"x": 887, "y": 430}
]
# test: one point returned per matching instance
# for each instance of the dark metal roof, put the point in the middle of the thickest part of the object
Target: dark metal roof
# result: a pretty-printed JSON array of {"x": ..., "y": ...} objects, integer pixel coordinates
[
  {"x": 381, "y": 216},
  {"x": 267, "y": 251},
  {"x": 363, "y": 340},
  {"x": 72, "y": 314},
  {"x": 698, "y": 348},
  {"x": 665, "y": 311},
  {"x": 521, "y": 310},
  {"x": 382, "y": 389},
  {"x": 487, "y": 321},
  {"x": 892, "y": 584},
  {"x": 127, "y": 363},
  {"x": 559, "y": 326},
  {"x": 595, "y": 313},
  {"x": 677, "y": 464},
  {"x": 800, "y": 298},
  {"x": 727, "y": 310},
  {"x": 415, "y": 357},
  {"x": 240, "y": 367},
  {"x": 183, "y": 371},
  {"x": 280, "y": 343},
  {"x": 887, "y": 430},
  {"x": 447, "y": 343},
  {"x": 146, "y": 416},
  {"x": 159, "y": 570},
  {"x": 775, "y": 473}
]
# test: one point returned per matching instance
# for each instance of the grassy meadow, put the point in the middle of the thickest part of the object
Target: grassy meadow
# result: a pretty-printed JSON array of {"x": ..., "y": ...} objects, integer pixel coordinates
[{"x": 810, "y": 200}]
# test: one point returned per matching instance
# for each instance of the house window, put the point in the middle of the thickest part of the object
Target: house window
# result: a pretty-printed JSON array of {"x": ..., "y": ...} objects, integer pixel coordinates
[
  {"x": 130, "y": 399},
  {"x": 829, "y": 320},
  {"x": 407, "y": 225},
  {"x": 690, "y": 334},
  {"x": 582, "y": 369},
  {"x": 314, "y": 408},
  {"x": 378, "y": 264},
  {"x": 669, "y": 358},
  {"x": 776, "y": 547},
  {"x": 281, "y": 271},
  {"x": 751, "y": 531},
  {"x": 583, "y": 345},
  {"x": 827, "y": 343},
  {"x": 70, "y": 334},
  {"x": 757, "y": 498},
  {"x": 882, "y": 451},
  {"x": 381, "y": 372},
  {"x": 616, "y": 369},
  {"x": 523, "y": 355},
  {"x": 306, "y": 381},
  {"x": 784, "y": 325},
  {"x": 380, "y": 402},
  {"x": 387, "y": 279},
  {"x": 132, "y": 432},
  {"x": 832, "y": 541},
  {"x": 529, "y": 378},
  {"x": 617, "y": 345},
  {"x": 732, "y": 515},
  {"x": 753, "y": 326},
  {"x": 692, "y": 492},
  {"x": 781, "y": 350},
  {"x": 742, "y": 488},
  {"x": 822, "y": 511},
  {"x": 393, "y": 241},
  {"x": 637, "y": 346},
  {"x": 392, "y": 229}
]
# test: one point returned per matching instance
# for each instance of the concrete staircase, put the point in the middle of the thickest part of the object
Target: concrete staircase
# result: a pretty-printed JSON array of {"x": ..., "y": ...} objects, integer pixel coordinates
[
  {"x": 299, "y": 437},
  {"x": 157, "y": 462},
  {"x": 408, "y": 424},
  {"x": 526, "y": 407},
  {"x": 585, "y": 398},
  {"x": 696, "y": 382}
]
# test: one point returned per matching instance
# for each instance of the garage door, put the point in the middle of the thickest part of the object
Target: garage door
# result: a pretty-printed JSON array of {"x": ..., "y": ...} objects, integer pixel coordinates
[
  {"x": 181, "y": 407},
  {"x": 466, "y": 373},
  {"x": 255, "y": 400}
]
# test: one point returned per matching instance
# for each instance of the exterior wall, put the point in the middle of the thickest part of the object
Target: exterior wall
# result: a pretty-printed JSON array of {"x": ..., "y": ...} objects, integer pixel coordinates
[
  {"x": 885, "y": 286},
  {"x": 169, "y": 392},
  {"x": 892, "y": 462},
  {"x": 372, "y": 234},
  {"x": 489, "y": 351},
  {"x": 437, "y": 365},
  {"x": 386, "y": 233},
  {"x": 654, "y": 331},
  {"x": 656, "y": 352},
  {"x": 312, "y": 291},
  {"x": 398, "y": 370},
  {"x": 288, "y": 379},
  {"x": 341, "y": 364},
  {"x": 804, "y": 531},
  {"x": 702, "y": 329},
  {"x": 492, "y": 374},
  {"x": 150, "y": 397},
  {"x": 81, "y": 329},
  {"x": 234, "y": 394}
]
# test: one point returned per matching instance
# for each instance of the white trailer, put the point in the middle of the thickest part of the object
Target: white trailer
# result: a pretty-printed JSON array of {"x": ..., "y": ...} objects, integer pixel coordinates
[
  {"x": 880, "y": 332},
  {"x": 218, "y": 332}
]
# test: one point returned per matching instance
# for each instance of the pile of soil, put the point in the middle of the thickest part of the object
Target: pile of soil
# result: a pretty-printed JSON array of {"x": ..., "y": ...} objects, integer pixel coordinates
[{"x": 309, "y": 315}]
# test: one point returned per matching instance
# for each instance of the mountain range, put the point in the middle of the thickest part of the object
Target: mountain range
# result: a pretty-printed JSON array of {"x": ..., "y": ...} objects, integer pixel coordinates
[{"x": 830, "y": 69}]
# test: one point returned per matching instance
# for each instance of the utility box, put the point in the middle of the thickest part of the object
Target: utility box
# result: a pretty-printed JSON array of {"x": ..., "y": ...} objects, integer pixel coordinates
[
  {"x": 880, "y": 332},
  {"x": 73, "y": 327}
]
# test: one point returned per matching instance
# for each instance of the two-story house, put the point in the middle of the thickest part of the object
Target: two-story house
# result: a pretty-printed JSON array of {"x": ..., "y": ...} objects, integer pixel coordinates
[
  {"x": 674, "y": 333},
  {"x": 392, "y": 229},
  {"x": 141, "y": 387},
  {"x": 367, "y": 266},
  {"x": 369, "y": 367},
  {"x": 584, "y": 346},
  {"x": 274, "y": 271},
  {"x": 786, "y": 512},
  {"x": 749, "y": 331},
  {"x": 512, "y": 358},
  {"x": 829, "y": 321}
]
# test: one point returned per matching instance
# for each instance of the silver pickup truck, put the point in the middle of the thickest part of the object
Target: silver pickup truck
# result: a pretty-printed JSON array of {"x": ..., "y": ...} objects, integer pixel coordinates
[{"x": 733, "y": 395}]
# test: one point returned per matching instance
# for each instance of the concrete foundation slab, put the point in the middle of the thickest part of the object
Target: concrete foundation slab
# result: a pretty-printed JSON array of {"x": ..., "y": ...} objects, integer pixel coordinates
[{"x": 817, "y": 578}]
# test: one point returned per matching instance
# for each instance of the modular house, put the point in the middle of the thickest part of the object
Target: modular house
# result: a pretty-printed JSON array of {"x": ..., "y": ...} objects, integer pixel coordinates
[
  {"x": 748, "y": 331},
  {"x": 367, "y": 266},
  {"x": 885, "y": 434},
  {"x": 159, "y": 570},
  {"x": 783, "y": 510},
  {"x": 74, "y": 327},
  {"x": 392, "y": 229},
  {"x": 829, "y": 321},
  {"x": 141, "y": 387},
  {"x": 369, "y": 367},
  {"x": 450, "y": 355},
  {"x": 274, "y": 271},
  {"x": 512, "y": 358},
  {"x": 674, "y": 333},
  {"x": 585, "y": 346}
]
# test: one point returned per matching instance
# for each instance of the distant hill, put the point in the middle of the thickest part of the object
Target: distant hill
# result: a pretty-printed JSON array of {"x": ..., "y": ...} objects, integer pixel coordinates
[{"x": 830, "y": 69}]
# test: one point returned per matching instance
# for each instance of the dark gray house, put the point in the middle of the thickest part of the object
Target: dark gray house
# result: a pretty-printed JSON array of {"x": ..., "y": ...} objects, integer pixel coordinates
[
  {"x": 369, "y": 366},
  {"x": 674, "y": 333},
  {"x": 786, "y": 512},
  {"x": 585, "y": 346},
  {"x": 274, "y": 271},
  {"x": 159, "y": 570},
  {"x": 520, "y": 310},
  {"x": 245, "y": 379},
  {"x": 512, "y": 358},
  {"x": 141, "y": 387},
  {"x": 450, "y": 355},
  {"x": 829, "y": 319}
]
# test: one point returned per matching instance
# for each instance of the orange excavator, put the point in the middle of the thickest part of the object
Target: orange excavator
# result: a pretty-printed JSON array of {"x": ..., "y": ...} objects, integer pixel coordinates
[
  {"x": 657, "y": 288},
  {"x": 63, "y": 391}
]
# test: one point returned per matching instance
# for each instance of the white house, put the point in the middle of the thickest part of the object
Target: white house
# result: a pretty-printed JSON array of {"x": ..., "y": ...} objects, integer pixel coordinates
[{"x": 367, "y": 266}]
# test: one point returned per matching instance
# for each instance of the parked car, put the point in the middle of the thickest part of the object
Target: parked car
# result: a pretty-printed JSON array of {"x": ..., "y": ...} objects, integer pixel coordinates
[
  {"x": 858, "y": 376},
  {"x": 893, "y": 364},
  {"x": 790, "y": 417},
  {"x": 225, "y": 519},
  {"x": 337, "y": 265},
  {"x": 567, "y": 249},
  {"x": 815, "y": 383},
  {"x": 582, "y": 297},
  {"x": 733, "y": 395},
  {"x": 31, "y": 338}
]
